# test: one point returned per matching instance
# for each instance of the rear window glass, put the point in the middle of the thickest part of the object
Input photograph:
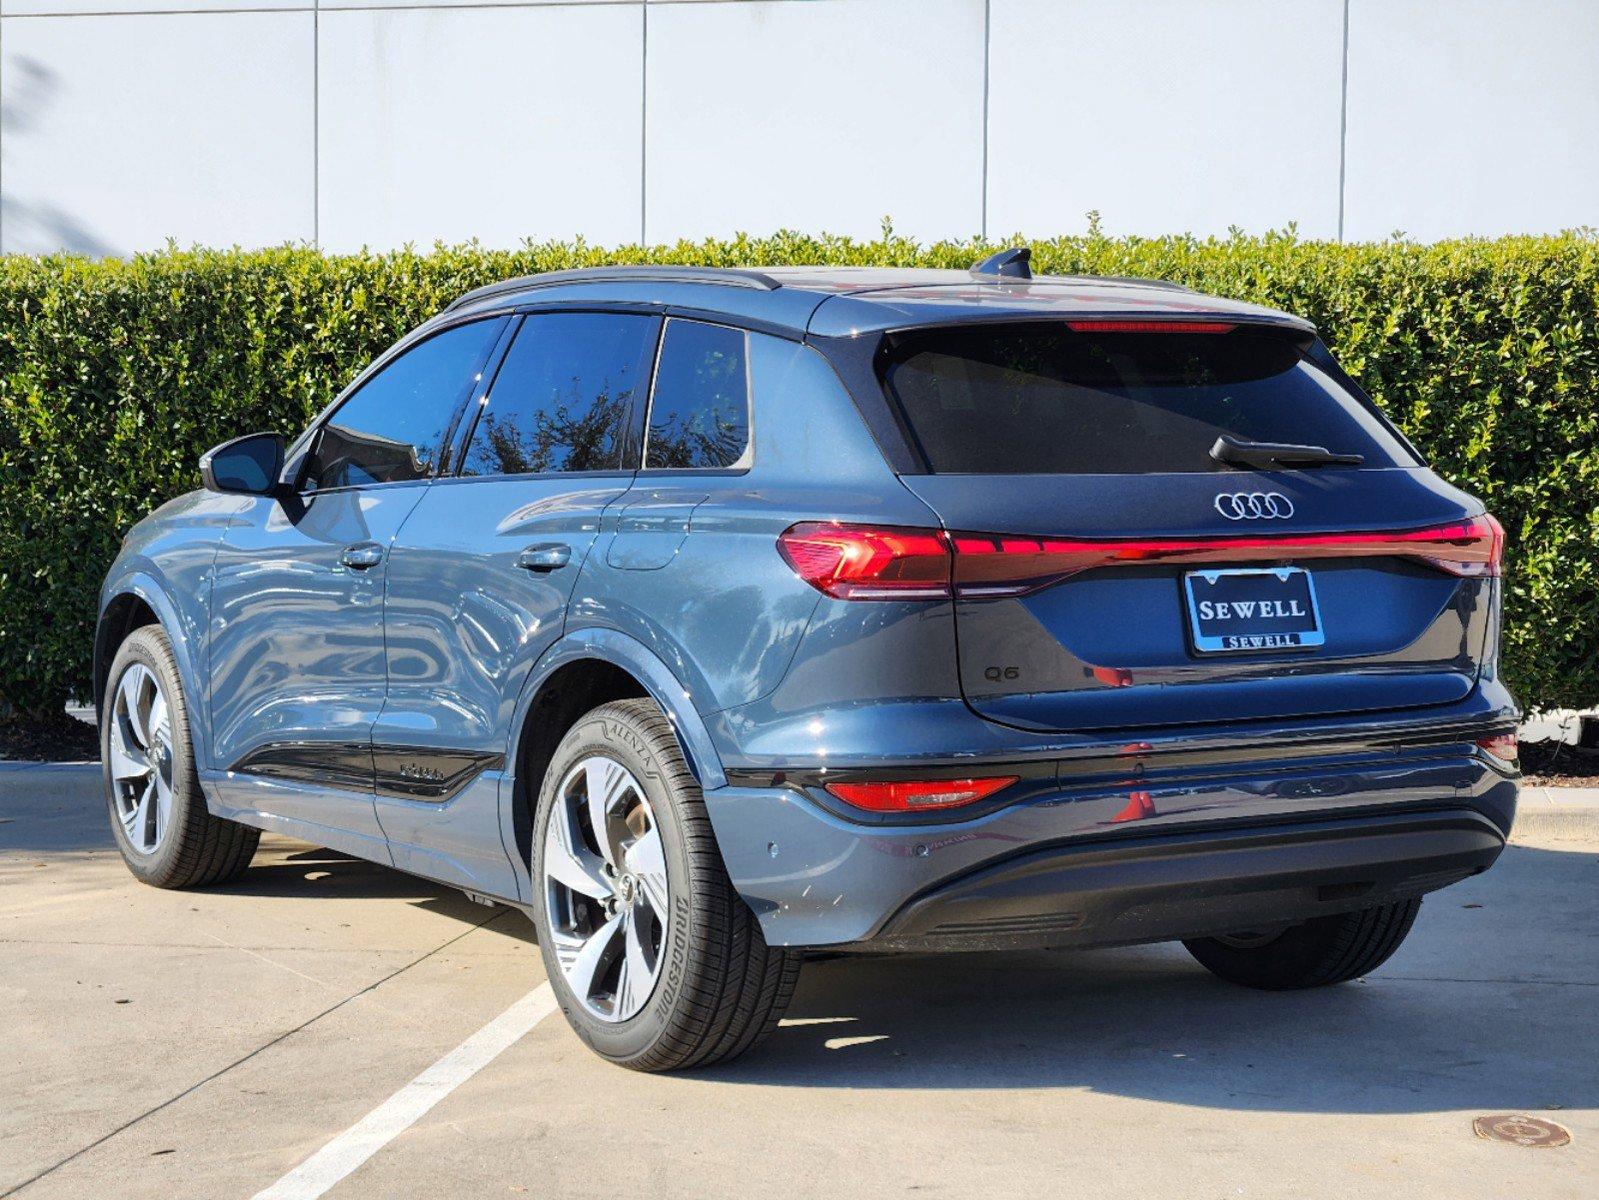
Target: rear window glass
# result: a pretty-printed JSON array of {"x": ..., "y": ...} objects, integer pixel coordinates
[{"x": 1042, "y": 399}]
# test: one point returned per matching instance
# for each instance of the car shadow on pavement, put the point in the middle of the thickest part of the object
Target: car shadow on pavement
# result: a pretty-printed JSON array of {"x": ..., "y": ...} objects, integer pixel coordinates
[
  {"x": 52, "y": 808},
  {"x": 314, "y": 873},
  {"x": 56, "y": 811},
  {"x": 1487, "y": 1007}
]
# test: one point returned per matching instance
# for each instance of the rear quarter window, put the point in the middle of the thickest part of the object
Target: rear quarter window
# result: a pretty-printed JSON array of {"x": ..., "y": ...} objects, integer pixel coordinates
[
  {"x": 699, "y": 410},
  {"x": 1044, "y": 399}
]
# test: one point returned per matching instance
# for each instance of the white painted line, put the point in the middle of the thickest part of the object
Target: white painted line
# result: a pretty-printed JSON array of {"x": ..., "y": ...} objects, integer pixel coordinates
[{"x": 400, "y": 1111}]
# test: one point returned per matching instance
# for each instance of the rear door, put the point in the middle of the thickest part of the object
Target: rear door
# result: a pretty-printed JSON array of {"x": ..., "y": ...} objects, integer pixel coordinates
[
  {"x": 1111, "y": 573},
  {"x": 480, "y": 576}
]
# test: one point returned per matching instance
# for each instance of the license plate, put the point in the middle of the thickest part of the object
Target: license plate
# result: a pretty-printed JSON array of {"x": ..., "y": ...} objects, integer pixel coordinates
[{"x": 1242, "y": 610}]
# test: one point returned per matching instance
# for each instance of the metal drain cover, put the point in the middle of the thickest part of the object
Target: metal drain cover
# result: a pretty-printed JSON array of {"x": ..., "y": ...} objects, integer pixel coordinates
[{"x": 1520, "y": 1130}]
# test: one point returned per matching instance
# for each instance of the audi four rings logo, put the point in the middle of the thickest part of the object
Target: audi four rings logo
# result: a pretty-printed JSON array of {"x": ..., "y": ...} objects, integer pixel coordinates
[{"x": 1254, "y": 506}]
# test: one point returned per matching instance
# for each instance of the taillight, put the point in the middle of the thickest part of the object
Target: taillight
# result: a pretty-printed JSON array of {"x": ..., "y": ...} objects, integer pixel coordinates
[
  {"x": 1501, "y": 745},
  {"x": 1150, "y": 326},
  {"x": 992, "y": 565},
  {"x": 859, "y": 562},
  {"x": 911, "y": 795}
]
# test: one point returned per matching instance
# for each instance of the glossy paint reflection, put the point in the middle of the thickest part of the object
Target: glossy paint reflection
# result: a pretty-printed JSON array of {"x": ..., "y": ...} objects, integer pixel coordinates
[{"x": 297, "y": 636}]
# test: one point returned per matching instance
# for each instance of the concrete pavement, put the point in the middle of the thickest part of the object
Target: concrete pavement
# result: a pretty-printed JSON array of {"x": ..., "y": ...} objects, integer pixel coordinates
[{"x": 203, "y": 1043}]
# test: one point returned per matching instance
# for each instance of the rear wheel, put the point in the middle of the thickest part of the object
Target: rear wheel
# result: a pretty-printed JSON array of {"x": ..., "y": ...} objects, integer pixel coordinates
[
  {"x": 158, "y": 815},
  {"x": 1321, "y": 951},
  {"x": 657, "y": 962}
]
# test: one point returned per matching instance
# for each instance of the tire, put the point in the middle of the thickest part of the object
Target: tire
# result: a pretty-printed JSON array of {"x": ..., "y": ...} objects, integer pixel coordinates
[
  {"x": 181, "y": 845},
  {"x": 1321, "y": 951},
  {"x": 701, "y": 985}
]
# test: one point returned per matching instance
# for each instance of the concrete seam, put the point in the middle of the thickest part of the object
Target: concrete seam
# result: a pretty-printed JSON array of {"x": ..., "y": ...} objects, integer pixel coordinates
[{"x": 221, "y": 1071}]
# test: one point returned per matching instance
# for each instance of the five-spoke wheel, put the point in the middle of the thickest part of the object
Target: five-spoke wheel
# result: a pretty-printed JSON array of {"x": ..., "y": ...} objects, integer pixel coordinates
[
  {"x": 655, "y": 958},
  {"x": 606, "y": 888},
  {"x": 141, "y": 757},
  {"x": 167, "y": 835}
]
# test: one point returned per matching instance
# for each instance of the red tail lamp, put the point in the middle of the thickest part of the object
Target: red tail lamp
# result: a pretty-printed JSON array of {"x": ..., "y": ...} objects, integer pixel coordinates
[
  {"x": 1150, "y": 326},
  {"x": 865, "y": 562}
]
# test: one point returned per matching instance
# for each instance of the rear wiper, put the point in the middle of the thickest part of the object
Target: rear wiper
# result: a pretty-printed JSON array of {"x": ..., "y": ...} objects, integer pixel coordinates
[{"x": 1239, "y": 453}]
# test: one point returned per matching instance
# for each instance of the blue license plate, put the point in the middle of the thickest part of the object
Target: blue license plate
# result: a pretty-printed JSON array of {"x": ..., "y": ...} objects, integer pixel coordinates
[{"x": 1253, "y": 609}]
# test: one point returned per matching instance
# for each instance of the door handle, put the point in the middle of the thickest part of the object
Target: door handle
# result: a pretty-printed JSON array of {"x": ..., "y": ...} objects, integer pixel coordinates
[
  {"x": 545, "y": 556},
  {"x": 362, "y": 555}
]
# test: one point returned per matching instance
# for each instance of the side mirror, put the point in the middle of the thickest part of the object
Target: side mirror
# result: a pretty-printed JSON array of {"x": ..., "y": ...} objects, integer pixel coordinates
[{"x": 250, "y": 465}]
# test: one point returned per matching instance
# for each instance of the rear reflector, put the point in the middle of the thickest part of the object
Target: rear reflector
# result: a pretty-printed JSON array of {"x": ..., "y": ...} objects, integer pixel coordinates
[
  {"x": 911, "y": 795},
  {"x": 1501, "y": 745},
  {"x": 856, "y": 562},
  {"x": 1150, "y": 326}
]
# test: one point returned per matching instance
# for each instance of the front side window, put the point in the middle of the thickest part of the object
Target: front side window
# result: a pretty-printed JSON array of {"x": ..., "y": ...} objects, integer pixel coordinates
[
  {"x": 700, "y": 408},
  {"x": 561, "y": 399},
  {"x": 393, "y": 428}
]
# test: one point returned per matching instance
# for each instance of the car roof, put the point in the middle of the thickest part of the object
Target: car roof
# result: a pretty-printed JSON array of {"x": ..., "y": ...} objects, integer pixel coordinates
[{"x": 838, "y": 301}]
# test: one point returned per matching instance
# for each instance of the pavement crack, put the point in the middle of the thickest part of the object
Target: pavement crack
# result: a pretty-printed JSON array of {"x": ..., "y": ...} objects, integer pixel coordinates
[
  {"x": 1585, "y": 983},
  {"x": 271, "y": 962},
  {"x": 221, "y": 1071},
  {"x": 221, "y": 944},
  {"x": 225, "y": 945}
]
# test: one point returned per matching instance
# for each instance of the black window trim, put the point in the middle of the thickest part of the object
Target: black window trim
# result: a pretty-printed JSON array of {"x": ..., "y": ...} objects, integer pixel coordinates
[
  {"x": 631, "y": 447},
  {"x": 303, "y": 444},
  {"x": 746, "y": 460},
  {"x": 512, "y": 314}
]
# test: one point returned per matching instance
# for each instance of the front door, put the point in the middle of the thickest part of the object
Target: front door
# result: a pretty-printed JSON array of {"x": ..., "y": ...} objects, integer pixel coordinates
[
  {"x": 297, "y": 663},
  {"x": 480, "y": 577}
]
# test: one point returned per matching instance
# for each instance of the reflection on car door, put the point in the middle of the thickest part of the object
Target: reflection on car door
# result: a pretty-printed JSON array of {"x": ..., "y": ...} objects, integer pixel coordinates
[
  {"x": 480, "y": 577},
  {"x": 298, "y": 672}
]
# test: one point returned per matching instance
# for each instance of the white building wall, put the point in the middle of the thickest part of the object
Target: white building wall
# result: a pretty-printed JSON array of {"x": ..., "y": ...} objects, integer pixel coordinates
[{"x": 350, "y": 123}]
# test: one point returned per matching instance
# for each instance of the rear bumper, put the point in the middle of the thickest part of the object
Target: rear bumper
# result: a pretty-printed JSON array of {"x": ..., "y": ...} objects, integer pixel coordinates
[
  {"x": 1150, "y": 889},
  {"x": 1204, "y": 850}
]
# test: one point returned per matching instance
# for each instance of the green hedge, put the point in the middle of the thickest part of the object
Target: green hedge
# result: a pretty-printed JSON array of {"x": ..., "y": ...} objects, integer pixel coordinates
[{"x": 115, "y": 375}]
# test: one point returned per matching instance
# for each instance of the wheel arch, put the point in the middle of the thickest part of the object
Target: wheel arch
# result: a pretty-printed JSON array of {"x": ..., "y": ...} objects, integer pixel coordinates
[
  {"x": 122, "y": 614},
  {"x": 134, "y": 601},
  {"x": 576, "y": 675}
]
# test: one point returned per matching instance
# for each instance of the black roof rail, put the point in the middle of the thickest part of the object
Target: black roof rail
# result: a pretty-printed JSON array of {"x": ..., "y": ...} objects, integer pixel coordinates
[{"x": 726, "y": 276}]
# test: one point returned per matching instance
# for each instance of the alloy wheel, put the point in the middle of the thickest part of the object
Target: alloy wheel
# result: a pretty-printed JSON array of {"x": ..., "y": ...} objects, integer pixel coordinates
[
  {"x": 605, "y": 888},
  {"x": 141, "y": 758}
]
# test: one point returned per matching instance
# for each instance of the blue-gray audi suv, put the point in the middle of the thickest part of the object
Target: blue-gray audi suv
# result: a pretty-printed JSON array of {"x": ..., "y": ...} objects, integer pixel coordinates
[{"x": 711, "y": 617}]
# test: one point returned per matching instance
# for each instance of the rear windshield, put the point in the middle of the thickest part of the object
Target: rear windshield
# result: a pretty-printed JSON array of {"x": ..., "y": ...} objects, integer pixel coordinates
[{"x": 1043, "y": 399}]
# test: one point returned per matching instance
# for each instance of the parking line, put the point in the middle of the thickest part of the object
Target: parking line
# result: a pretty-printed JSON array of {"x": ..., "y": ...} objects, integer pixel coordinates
[{"x": 399, "y": 1112}]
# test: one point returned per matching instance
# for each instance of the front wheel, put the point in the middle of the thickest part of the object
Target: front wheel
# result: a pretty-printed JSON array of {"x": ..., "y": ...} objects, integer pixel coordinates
[
  {"x": 166, "y": 835},
  {"x": 656, "y": 960},
  {"x": 1321, "y": 951}
]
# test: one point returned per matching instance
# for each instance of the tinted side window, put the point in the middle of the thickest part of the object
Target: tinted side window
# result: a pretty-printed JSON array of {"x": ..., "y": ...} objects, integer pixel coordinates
[
  {"x": 700, "y": 409},
  {"x": 561, "y": 399},
  {"x": 393, "y": 428}
]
